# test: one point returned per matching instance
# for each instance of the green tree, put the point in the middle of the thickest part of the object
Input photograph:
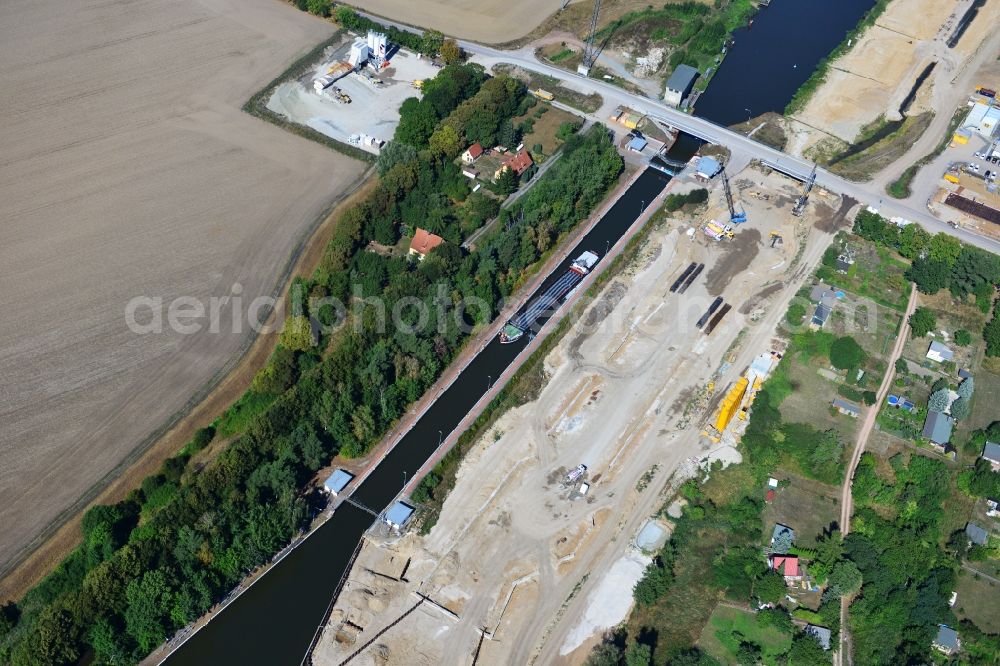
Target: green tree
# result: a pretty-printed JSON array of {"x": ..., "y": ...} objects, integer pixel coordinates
[
  {"x": 451, "y": 53},
  {"x": 963, "y": 337},
  {"x": 566, "y": 130},
  {"x": 922, "y": 322},
  {"x": 506, "y": 182},
  {"x": 770, "y": 588},
  {"x": 432, "y": 42},
  {"x": 393, "y": 153},
  {"x": 806, "y": 650},
  {"x": 604, "y": 654},
  {"x": 639, "y": 654},
  {"x": 901, "y": 366},
  {"x": 991, "y": 334},
  {"x": 960, "y": 409},
  {"x": 930, "y": 276},
  {"x": 938, "y": 401},
  {"x": 845, "y": 579},
  {"x": 278, "y": 375},
  {"x": 846, "y": 353},
  {"x": 297, "y": 334},
  {"x": 446, "y": 142},
  {"x": 966, "y": 388},
  {"x": 319, "y": 7},
  {"x": 944, "y": 248}
]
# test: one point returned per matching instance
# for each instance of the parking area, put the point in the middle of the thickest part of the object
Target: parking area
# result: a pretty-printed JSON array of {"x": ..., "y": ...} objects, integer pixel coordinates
[{"x": 360, "y": 108}]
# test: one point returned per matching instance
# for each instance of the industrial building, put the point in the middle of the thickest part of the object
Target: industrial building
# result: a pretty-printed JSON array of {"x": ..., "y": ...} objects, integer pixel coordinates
[
  {"x": 983, "y": 119},
  {"x": 679, "y": 85},
  {"x": 337, "y": 481},
  {"x": 397, "y": 515}
]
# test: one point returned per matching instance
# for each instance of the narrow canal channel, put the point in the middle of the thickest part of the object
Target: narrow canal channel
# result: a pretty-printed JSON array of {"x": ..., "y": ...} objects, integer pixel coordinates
[
  {"x": 273, "y": 621},
  {"x": 772, "y": 58}
]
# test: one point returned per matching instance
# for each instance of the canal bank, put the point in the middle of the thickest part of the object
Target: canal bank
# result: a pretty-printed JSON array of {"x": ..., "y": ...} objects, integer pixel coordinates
[
  {"x": 273, "y": 620},
  {"x": 770, "y": 59}
]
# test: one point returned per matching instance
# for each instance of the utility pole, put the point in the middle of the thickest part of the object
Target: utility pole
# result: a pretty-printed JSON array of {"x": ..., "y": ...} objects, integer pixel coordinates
[{"x": 589, "y": 51}]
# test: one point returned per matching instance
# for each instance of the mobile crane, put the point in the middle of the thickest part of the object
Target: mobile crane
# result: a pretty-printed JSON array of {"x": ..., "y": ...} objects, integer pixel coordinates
[
  {"x": 734, "y": 217},
  {"x": 800, "y": 203}
]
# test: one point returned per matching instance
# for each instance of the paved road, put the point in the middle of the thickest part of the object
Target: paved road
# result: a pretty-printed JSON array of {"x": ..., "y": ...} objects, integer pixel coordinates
[
  {"x": 846, "y": 498},
  {"x": 871, "y": 194}
]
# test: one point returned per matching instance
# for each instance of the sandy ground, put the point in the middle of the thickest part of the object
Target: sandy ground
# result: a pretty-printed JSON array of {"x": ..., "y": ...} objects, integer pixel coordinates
[
  {"x": 373, "y": 110},
  {"x": 128, "y": 169},
  {"x": 518, "y": 553},
  {"x": 875, "y": 76}
]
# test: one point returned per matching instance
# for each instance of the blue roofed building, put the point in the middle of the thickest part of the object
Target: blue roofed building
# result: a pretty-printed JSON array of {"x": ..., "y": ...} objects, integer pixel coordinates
[
  {"x": 637, "y": 144},
  {"x": 337, "y": 481},
  {"x": 947, "y": 640},
  {"x": 821, "y": 634},
  {"x": 398, "y": 514},
  {"x": 977, "y": 535},
  {"x": 937, "y": 428}
]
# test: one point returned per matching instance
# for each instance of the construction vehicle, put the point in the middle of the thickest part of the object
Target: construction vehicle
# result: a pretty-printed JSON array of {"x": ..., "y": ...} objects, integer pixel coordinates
[
  {"x": 716, "y": 231},
  {"x": 776, "y": 239},
  {"x": 800, "y": 203},
  {"x": 734, "y": 216},
  {"x": 418, "y": 84},
  {"x": 575, "y": 474}
]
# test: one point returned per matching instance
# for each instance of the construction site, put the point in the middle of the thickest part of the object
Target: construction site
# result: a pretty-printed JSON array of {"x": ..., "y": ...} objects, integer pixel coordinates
[
  {"x": 354, "y": 92},
  {"x": 559, "y": 507}
]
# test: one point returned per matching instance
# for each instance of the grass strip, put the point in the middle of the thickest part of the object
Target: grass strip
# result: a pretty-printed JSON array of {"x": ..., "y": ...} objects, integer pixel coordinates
[{"x": 900, "y": 188}]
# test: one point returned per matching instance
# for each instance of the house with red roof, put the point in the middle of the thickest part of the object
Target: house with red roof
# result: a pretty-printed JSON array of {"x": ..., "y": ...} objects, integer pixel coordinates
[
  {"x": 516, "y": 162},
  {"x": 472, "y": 153},
  {"x": 787, "y": 566},
  {"x": 423, "y": 242}
]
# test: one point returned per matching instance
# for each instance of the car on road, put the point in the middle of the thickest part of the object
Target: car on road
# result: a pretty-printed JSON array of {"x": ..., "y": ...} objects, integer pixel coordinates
[
  {"x": 980, "y": 156},
  {"x": 973, "y": 167}
]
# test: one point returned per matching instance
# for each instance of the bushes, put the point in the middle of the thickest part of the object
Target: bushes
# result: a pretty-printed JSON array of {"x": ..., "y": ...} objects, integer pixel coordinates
[
  {"x": 922, "y": 322},
  {"x": 675, "y": 202},
  {"x": 846, "y": 353}
]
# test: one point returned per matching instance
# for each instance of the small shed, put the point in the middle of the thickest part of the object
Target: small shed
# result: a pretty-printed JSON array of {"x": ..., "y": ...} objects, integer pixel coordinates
[
  {"x": 708, "y": 167},
  {"x": 939, "y": 352},
  {"x": 337, "y": 481},
  {"x": 977, "y": 535},
  {"x": 821, "y": 634},
  {"x": 847, "y": 408},
  {"x": 947, "y": 639},
  {"x": 397, "y": 515},
  {"x": 637, "y": 144},
  {"x": 991, "y": 452},
  {"x": 937, "y": 428}
]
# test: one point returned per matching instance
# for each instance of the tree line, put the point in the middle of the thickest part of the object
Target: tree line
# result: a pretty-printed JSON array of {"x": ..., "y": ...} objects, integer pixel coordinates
[{"x": 159, "y": 559}]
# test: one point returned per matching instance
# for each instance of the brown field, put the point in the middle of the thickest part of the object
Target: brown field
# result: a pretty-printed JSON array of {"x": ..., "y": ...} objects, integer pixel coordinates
[
  {"x": 128, "y": 169},
  {"x": 501, "y": 21}
]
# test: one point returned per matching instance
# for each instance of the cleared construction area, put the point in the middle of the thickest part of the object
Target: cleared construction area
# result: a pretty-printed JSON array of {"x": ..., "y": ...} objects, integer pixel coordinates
[
  {"x": 539, "y": 544},
  {"x": 358, "y": 105},
  {"x": 129, "y": 170}
]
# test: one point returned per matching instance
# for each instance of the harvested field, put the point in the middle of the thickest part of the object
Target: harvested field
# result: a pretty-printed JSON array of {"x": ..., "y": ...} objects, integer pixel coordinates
[{"x": 129, "y": 170}]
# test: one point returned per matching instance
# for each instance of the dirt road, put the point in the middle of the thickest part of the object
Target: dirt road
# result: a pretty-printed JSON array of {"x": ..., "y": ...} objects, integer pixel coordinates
[
  {"x": 846, "y": 498},
  {"x": 129, "y": 170}
]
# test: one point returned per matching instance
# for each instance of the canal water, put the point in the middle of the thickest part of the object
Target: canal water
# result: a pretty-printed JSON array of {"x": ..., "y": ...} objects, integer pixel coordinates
[
  {"x": 274, "y": 621},
  {"x": 771, "y": 59}
]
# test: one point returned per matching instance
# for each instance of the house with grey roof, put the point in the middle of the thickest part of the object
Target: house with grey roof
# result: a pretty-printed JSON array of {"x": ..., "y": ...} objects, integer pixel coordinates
[
  {"x": 679, "y": 84},
  {"x": 821, "y": 634},
  {"x": 939, "y": 353},
  {"x": 977, "y": 535},
  {"x": 782, "y": 534},
  {"x": 991, "y": 453},
  {"x": 937, "y": 428},
  {"x": 847, "y": 408},
  {"x": 947, "y": 640},
  {"x": 825, "y": 298}
]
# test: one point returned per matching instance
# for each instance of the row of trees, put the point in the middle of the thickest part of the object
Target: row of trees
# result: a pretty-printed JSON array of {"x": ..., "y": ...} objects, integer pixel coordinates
[{"x": 156, "y": 561}]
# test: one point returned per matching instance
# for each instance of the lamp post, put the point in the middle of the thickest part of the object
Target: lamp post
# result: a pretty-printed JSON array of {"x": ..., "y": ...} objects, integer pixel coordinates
[{"x": 749, "y": 115}]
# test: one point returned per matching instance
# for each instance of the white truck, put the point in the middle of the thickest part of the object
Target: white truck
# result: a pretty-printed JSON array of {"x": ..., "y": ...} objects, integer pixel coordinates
[{"x": 575, "y": 473}]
